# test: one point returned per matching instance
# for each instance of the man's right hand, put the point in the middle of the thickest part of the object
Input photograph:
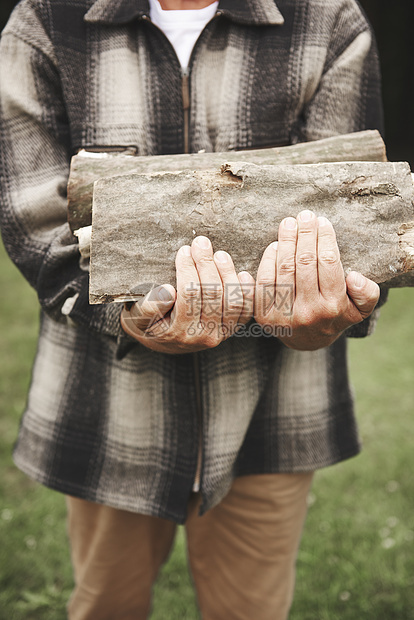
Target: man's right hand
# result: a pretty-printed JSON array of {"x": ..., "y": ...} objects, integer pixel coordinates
[{"x": 210, "y": 302}]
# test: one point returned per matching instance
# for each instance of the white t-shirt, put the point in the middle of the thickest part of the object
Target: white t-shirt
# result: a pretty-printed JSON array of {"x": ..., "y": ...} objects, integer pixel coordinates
[{"x": 182, "y": 28}]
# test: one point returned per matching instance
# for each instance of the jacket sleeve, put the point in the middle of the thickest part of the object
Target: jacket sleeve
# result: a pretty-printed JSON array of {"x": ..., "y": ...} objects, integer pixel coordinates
[
  {"x": 347, "y": 98},
  {"x": 34, "y": 165}
]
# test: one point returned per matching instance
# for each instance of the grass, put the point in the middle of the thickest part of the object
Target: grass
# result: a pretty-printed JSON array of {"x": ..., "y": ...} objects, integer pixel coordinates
[{"x": 356, "y": 559}]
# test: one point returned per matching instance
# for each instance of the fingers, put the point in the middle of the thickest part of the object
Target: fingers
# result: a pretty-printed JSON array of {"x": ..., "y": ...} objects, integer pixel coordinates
[
  {"x": 222, "y": 293},
  {"x": 247, "y": 284},
  {"x": 151, "y": 309},
  {"x": 330, "y": 272},
  {"x": 300, "y": 282},
  {"x": 286, "y": 254},
  {"x": 232, "y": 292},
  {"x": 210, "y": 281},
  {"x": 363, "y": 292},
  {"x": 288, "y": 269},
  {"x": 306, "y": 281},
  {"x": 313, "y": 267},
  {"x": 266, "y": 282},
  {"x": 188, "y": 303},
  {"x": 210, "y": 295}
]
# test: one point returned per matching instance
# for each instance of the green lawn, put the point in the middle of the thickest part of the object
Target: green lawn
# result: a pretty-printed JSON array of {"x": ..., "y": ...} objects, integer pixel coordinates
[{"x": 357, "y": 556}]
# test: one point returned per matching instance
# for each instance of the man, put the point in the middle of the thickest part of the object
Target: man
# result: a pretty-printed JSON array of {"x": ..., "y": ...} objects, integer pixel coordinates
[{"x": 142, "y": 416}]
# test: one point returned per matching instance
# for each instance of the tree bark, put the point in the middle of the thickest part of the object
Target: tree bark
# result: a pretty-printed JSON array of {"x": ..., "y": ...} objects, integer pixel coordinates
[
  {"x": 141, "y": 220},
  {"x": 87, "y": 167}
]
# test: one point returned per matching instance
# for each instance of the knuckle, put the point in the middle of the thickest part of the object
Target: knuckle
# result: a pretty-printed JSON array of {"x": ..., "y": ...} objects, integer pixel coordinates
[
  {"x": 324, "y": 319},
  {"x": 233, "y": 308},
  {"x": 368, "y": 299},
  {"x": 307, "y": 229},
  {"x": 234, "y": 302},
  {"x": 185, "y": 336},
  {"x": 333, "y": 309},
  {"x": 328, "y": 257},
  {"x": 287, "y": 238},
  {"x": 306, "y": 317},
  {"x": 212, "y": 293},
  {"x": 192, "y": 292},
  {"x": 204, "y": 260},
  {"x": 306, "y": 258},
  {"x": 287, "y": 267},
  {"x": 264, "y": 282}
]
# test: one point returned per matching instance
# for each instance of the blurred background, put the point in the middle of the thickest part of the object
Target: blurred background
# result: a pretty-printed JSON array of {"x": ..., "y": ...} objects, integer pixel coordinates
[
  {"x": 393, "y": 27},
  {"x": 357, "y": 555}
]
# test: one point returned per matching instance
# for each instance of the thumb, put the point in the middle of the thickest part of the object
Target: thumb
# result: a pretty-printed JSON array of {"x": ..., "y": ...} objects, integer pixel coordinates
[
  {"x": 147, "y": 311},
  {"x": 364, "y": 293}
]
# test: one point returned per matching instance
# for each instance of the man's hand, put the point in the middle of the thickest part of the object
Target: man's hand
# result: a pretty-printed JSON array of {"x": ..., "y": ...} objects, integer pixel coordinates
[
  {"x": 301, "y": 288},
  {"x": 211, "y": 300}
]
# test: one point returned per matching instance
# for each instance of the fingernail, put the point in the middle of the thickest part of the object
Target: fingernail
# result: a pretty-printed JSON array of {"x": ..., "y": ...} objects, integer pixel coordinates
[
  {"x": 245, "y": 277},
  {"x": 306, "y": 215},
  {"x": 164, "y": 295},
  {"x": 359, "y": 280},
  {"x": 202, "y": 242},
  {"x": 186, "y": 250},
  {"x": 274, "y": 245},
  {"x": 322, "y": 220},
  {"x": 221, "y": 257},
  {"x": 290, "y": 223}
]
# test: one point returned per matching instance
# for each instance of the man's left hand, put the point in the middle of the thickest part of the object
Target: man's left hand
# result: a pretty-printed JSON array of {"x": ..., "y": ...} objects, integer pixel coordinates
[{"x": 305, "y": 266}]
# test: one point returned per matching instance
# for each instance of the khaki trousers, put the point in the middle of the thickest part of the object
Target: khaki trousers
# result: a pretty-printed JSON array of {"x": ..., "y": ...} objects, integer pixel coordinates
[{"x": 242, "y": 553}]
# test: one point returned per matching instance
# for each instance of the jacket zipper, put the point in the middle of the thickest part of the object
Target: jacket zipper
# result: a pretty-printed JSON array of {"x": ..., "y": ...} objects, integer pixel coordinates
[
  {"x": 185, "y": 89},
  {"x": 186, "y": 96},
  {"x": 186, "y": 102}
]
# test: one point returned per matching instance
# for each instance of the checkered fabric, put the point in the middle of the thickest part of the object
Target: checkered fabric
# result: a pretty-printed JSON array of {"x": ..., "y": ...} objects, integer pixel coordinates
[{"x": 107, "y": 420}]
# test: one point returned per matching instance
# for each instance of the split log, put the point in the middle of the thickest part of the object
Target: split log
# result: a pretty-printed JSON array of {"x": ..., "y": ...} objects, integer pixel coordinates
[
  {"x": 87, "y": 167},
  {"x": 141, "y": 220}
]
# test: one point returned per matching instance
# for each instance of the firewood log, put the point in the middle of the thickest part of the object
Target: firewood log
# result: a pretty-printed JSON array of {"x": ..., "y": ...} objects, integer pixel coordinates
[
  {"x": 87, "y": 167},
  {"x": 141, "y": 220}
]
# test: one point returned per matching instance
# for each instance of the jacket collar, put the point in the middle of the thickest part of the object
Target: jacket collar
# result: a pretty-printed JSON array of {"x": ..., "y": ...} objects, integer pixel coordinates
[
  {"x": 250, "y": 12},
  {"x": 116, "y": 11}
]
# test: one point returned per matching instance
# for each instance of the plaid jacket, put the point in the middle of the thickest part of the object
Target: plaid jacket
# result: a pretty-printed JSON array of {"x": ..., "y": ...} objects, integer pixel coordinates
[{"x": 120, "y": 424}]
